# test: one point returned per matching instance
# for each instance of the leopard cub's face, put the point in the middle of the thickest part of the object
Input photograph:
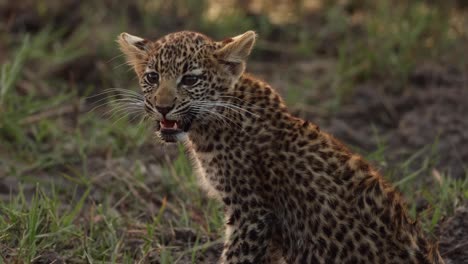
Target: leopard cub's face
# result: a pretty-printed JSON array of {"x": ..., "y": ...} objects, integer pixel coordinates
[{"x": 184, "y": 76}]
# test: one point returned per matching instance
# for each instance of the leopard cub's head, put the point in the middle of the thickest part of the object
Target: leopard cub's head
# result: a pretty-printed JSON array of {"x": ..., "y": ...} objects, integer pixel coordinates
[{"x": 185, "y": 75}]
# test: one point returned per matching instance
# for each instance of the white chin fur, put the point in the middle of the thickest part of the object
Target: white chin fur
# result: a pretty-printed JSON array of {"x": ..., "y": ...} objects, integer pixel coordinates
[{"x": 182, "y": 137}]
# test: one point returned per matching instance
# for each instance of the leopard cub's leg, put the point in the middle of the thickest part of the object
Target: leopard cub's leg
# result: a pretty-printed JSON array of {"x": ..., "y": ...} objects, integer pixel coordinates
[{"x": 249, "y": 238}]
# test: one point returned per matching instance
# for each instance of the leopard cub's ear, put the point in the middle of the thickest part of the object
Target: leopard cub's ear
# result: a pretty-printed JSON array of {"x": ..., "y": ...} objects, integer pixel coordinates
[
  {"x": 234, "y": 52},
  {"x": 135, "y": 50}
]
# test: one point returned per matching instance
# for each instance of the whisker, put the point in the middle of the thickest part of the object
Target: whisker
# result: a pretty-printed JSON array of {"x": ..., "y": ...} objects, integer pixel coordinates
[
  {"x": 250, "y": 105},
  {"x": 219, "y": 115},
  {"x": 119, "y": 90},
  {"x": 230, "y": 106},
  {"x": 123, "y": 116},
  {"x": 112, "y": 113},
  {"x": 115, "y": 57},
  {"x": 216, "y": 117},
  {"x": 233, "y": 108},
  {"x": 119, "y": 100},
  {"x": 123, "y": 100},
  {"x": 119, "y": 103}
]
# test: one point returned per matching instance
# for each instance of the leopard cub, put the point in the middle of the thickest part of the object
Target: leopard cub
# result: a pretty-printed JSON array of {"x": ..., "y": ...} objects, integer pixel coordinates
[{"x": 292, "y": 193}]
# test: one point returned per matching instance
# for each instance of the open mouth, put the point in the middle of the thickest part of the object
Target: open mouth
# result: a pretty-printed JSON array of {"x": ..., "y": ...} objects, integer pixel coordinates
[
  {"x": 169, "y": 129},
  {"x": 170, "y": 126}
]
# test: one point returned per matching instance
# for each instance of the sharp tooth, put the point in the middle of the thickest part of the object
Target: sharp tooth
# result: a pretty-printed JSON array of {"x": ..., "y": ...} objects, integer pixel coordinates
[{"x": 175, "y": 125}]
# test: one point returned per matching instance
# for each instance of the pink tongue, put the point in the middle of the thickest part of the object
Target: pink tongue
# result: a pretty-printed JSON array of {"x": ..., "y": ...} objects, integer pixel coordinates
[{"x": 167, "y": 123}]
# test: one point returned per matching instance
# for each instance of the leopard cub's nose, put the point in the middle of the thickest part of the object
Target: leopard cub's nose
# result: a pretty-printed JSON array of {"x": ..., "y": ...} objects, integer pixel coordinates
[{"x": 164, "y": 110}]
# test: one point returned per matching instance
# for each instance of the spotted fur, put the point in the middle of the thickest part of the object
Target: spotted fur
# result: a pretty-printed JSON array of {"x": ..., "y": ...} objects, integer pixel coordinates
[{"x": 292, "y": 193}]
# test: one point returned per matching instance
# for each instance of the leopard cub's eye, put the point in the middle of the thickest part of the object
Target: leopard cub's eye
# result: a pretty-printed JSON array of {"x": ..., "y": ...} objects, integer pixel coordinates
[
  {"x": 189, "y": 80},
  {"x": 152, "y": 77}
]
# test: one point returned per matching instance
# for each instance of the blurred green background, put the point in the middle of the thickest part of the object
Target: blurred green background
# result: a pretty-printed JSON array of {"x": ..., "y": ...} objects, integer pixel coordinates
[{"x": 82, "y": 181}]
